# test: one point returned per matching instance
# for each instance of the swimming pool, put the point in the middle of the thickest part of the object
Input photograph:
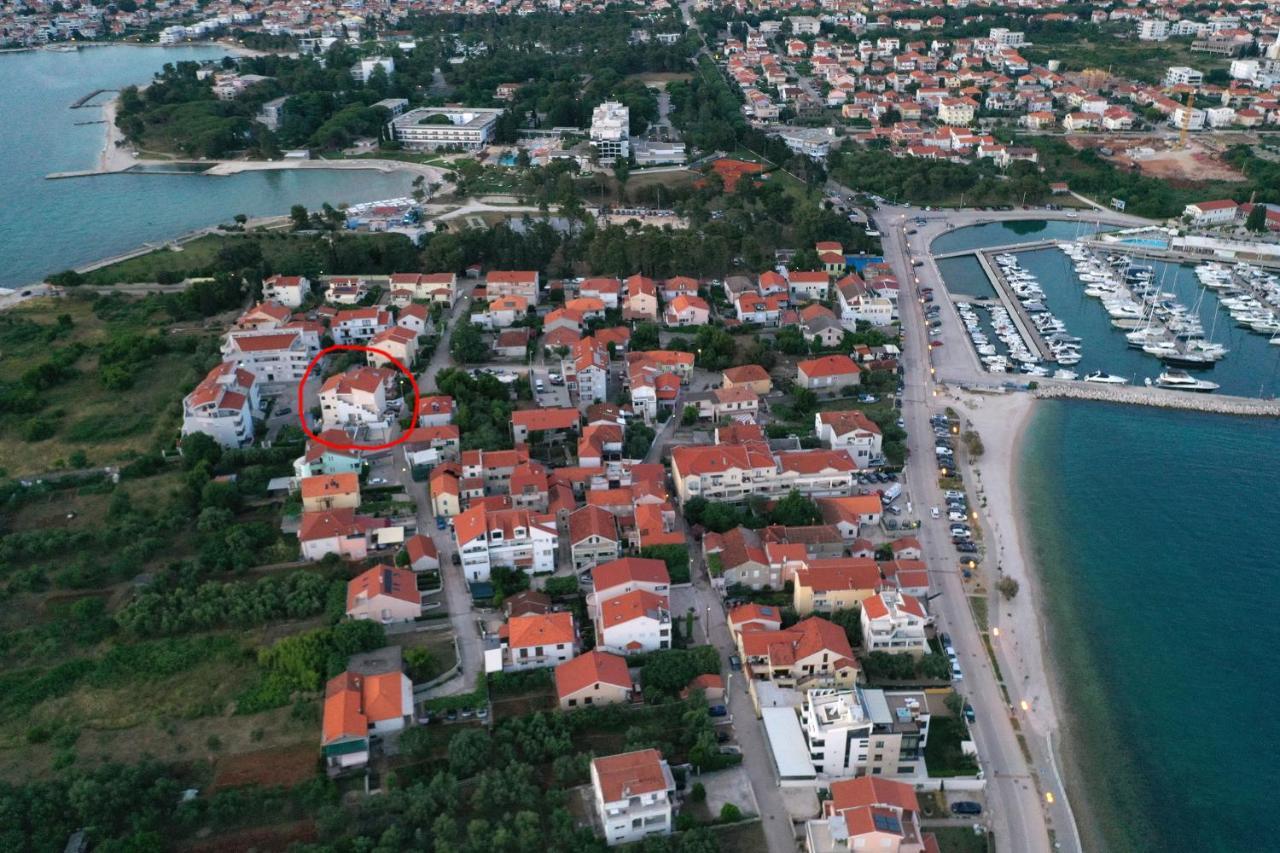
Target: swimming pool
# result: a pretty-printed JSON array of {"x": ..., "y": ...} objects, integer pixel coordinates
[{"x": 1149, "y": 242}]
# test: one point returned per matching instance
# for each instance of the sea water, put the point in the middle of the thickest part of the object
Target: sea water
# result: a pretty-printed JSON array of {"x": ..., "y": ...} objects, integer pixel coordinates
[
  {"x": 1155, "y": 532},
  {"x": 46, "y": 226}
]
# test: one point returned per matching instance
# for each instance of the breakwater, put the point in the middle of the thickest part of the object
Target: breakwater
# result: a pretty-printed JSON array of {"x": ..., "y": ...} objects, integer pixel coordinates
[{"x": 1159, "y": 397}]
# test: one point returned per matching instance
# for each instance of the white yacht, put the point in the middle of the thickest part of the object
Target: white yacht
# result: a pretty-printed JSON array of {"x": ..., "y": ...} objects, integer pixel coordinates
[
  {"x": 1182, "y": 381},
  {"x": 1101, "y": 378}
]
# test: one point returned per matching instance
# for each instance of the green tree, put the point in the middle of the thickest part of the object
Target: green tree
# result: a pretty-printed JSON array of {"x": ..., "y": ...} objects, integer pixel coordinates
[
  {"x": 1257, "y": 219},
  {"x": 795, "y": 510},
  {"x": 469, "y": 753},
  {"x": 299, "y": 217}
]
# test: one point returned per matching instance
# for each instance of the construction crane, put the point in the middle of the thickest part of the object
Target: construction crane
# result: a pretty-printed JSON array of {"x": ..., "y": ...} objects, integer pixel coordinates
[{"x": 1186, "y": 120}]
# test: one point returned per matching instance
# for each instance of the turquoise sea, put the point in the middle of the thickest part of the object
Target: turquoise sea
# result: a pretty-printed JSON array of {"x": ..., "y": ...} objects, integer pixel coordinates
[
  {"x": 46, "y": 226},
  {"x": 1155, "y": 535}
]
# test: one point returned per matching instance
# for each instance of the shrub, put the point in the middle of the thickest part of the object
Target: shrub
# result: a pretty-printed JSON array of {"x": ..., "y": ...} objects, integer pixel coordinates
[{"x": 729, "y": 813}]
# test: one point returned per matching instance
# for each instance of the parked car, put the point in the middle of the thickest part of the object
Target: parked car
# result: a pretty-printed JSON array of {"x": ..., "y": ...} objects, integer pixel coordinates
[
  {"x": 956, "y": 674},
  {"x": 956, "y": 516},
  {"x": 966, "y": 807},
  {"x": 968, "y": 712},
  {"x": 935, "y": 512},
  {"x": 718, "y": 711},
  {"x": 966, "y": 547},
  {"x": 457, "y": 561},
  {"x": 735, "y": 662},
  {"x": 378, "y": 481},
  {"x": 952, "y": 494},
  {"x": 441, "y": 524}
]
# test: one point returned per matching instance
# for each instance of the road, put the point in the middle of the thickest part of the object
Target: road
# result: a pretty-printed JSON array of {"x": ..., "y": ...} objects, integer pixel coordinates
[
  {"x": 757, "y": 758},
  {"x": 456, "y": 596},
  {"x": 1017, "y": 814}
]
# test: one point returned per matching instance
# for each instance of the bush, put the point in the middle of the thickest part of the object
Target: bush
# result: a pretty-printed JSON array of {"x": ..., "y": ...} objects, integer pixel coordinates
[
  {"x": 698, "y": 793},
  {"x": 1008, "y": 587},
  {"x": 729, "y": 813}
]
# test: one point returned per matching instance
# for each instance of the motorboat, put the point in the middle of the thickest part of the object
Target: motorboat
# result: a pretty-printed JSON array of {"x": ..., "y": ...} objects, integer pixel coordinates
[
  {"x": 1182, "y": 381},
  {"x": 1065, "y": 374},
  {"x": 1100, "y": 378}
]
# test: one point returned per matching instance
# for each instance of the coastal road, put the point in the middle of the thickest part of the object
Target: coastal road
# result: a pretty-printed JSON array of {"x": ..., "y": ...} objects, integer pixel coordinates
[{"x": 1016, "y": 813}]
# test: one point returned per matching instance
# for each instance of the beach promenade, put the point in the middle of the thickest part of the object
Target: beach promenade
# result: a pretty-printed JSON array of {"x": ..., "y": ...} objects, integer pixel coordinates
[{"x": 1027, "y": 798}]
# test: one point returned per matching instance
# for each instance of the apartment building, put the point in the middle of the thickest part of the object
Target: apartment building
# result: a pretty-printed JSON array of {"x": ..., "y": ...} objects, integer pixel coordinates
[
  {"x": 811, "y": 653},
  {"x": 869, "y": 814},
  {"x": 851, "y": 431},
  {"x": 357, "y": 397},
  {"x": 273, "y": 356},
  {"x": 610, "y": 132},
  {"x": 514, "y": 538},
  {"x": 223, "y": 406}
]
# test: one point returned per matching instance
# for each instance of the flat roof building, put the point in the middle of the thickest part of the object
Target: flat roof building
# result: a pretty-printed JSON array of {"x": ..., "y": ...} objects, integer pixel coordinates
[{"x": 440, "y": 127}]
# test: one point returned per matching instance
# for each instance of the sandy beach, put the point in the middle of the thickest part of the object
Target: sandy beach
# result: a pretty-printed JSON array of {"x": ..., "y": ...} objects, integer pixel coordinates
[
  {"x": 115, "y": 157},
  {"x": 1021, "y": 647}
]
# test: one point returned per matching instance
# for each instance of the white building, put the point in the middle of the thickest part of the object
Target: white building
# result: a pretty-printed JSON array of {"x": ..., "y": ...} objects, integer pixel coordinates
[
  {"x": 636, "y": 621},
  {"x": 364, "y": 69},
  {"x": 288, "y": 290},
  {"x": 611, "y": 131},
  {"x": 894, "y": 623},
  {"x": 355, "y": 398},
  {"x": 514, "y": 538},
  {"x": 852, "y": 431},
  {"x": 468, "y": 128},
  {"x": 633, "y": 794},
  {"x": 1153, "y": 29},
  {"x": 1182, "y": 75},
  {"x": 1006, "y": 38},
  {"x": 1190, "y": 119},
  {"x": 864, "y": 732},
  {"x": 222, "y": 406},
  {"x": 272, "y": 355}
]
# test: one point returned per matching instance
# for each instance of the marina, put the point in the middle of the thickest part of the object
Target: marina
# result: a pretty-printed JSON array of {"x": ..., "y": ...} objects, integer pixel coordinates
[{"x": 1198, "y": 328}]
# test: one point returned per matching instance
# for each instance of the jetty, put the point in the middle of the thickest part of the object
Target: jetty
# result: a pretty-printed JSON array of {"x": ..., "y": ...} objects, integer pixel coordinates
[
  {"x": 1159, "y": 397},
  {"x": 1012, "y": 248},
  {"x": 84, "y": 101},
  {"x": 1030, "y": 334}
]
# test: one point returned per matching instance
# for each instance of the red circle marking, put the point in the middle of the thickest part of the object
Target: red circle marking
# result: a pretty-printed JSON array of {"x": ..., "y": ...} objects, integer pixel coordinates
[{"x": 302, "y": 410}]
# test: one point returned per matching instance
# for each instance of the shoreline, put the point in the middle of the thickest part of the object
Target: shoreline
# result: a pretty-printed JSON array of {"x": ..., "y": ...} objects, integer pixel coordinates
[{"x": 1022, "y": 649}]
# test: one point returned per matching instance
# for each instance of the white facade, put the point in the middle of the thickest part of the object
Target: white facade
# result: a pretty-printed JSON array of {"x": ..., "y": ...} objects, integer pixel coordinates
[
  {"x": 861, "y": 732},
  {"x": 222, "y": 406},
  {"x": 1181, "y": 75},
  {"x": 273, "y": 355},
  {"x": 894, "y": 623},
  {"x": 611, "y": 131},
  {"x": 531, "y": 548},
  {"x": 467, "y": 127},
  {"x": 364, "y": 69},
  {"x": 631, "y": 811},
  {"x": 647, "y": 632},
  {"x": 1153, "y": 29}
]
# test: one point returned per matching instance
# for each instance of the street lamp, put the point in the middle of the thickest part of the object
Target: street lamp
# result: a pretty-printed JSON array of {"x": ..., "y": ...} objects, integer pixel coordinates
[
  {"x": 995, "y": 632},
  {"x": 1024, "y": 705}
]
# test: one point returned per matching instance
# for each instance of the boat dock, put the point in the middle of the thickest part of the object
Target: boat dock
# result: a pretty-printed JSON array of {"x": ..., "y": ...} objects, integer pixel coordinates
[
  {"x": 1011, "y": 248},
  {"x": 1168, "y": 255},
  {"x": 84, "y": 101},
  {"x": 1030, "y": 334},
  {"x": 1159, "y": 397}
]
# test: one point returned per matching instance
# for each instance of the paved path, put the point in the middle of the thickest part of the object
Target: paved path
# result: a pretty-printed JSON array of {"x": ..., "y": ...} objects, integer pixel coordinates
[{"x": 1017, "y": 814}]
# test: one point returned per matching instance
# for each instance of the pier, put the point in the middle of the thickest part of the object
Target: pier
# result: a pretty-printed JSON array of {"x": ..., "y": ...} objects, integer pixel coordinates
[
  {"x": 1159, "y": 397},
  {"x": 1012, "y": 248},
  {"x": 84, "y": 101},
  {"x": 1021, "y": 320}
]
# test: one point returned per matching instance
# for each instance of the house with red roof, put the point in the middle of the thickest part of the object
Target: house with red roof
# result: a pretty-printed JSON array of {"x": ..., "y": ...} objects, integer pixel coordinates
[
  {"x": 1211, "y": 213},
  {"x": 751, "y": 376},
  {"x": 633, "y": 795},
  {"x": 289, "y": 290},
  {"x": 814, "y": 286},
  {"x": 358, "y": 325},
  {"x": 825, "y": 585},
  {"x": 522, "y": 283},
  {"x": 397, "y": 342},
  {"x": 869, "y": 813},
  {"x": 337, "y": 531},
  {"x": 828, "y": 375},
  {"x": 894, "y": 622},
  {"x": 851, "y": 431},
  {"x": 537, "y": 639},
  {"x": 357, "y": 397},
  {"x": 811, "y": 653},
  {"x": 274, "y": 355},
  {"x": 435, "y": 410},
  {"x": 330, "y": 491},
  {"x": 325, "y": 459},
  {"x": 687, "y": 310},
  {"x": 358, "y": 705},
  {"x": 550, "y": 422},
  {"x": 593, "y": 537},
  {"x": 422, "y": 553},
  {"x": 594, "y": 678},
  {"x": 607, "y": 290},
  {"x": 384, "y": 594}
]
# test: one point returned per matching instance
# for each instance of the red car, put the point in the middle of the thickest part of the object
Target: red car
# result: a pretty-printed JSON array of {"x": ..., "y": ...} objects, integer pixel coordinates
[{"x": 933, "y": 344}]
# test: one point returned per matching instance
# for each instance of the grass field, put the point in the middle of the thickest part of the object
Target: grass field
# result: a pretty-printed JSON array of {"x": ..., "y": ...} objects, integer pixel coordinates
[
  {"x": 960, "y": 839},
  {"x": 194, "y": 254},
  {"x": 108, "y": 426},
  {"x": 1136, "y": 60}
]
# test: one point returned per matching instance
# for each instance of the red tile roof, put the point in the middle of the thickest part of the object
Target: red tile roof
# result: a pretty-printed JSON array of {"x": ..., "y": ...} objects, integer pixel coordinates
[{"x": 591, "y": 668}]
